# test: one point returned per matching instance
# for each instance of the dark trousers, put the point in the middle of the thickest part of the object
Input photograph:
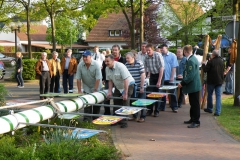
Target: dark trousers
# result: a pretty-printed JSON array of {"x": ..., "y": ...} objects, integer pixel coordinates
[
  {"x": 153, "y": 81},
  {"x": 173, "y": 98},
  {"x": 91, "y": 110},
  {"x": 194, "y": 107},
  {"x": 67, "y": 81},
  {"x": 180, "y": 98},
  {"x": 121, "y": 102},
  {"x": 44, "y": 82},
  {"x": 107, "y": 110},
  {"x": 54, "y": 86},
  {"x": 18, "y": 77}
]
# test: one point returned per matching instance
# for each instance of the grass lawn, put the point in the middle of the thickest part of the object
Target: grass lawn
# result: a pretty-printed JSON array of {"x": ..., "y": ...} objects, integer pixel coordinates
[{"x": 230, "y": 117}]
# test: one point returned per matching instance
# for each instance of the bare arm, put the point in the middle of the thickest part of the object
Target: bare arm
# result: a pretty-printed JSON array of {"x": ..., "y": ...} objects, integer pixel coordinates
[
  {"x": 79, "y": 85},
  {"x": 142, "y": 82},
  {"x": 110, "y": 86},
  {"x": 126, "y": 84},
  {"x": 160, "y": 77},
  {"x": 96, "y": 85},
  {"x": 172, "y": 74}
]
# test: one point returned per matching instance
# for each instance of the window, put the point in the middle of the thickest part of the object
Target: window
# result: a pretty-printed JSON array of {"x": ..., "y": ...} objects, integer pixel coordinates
[
  {"x": 111, "y": 33},
  {"x": 115, "y": 33}
]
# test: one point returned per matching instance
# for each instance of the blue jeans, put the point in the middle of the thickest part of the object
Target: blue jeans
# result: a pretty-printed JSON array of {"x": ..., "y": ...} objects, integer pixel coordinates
[
  {"x": 218, "y": 92},
  {"x": 173, "y": 100},
  {"x": 143, "y": 111},
  {"x": 229, "y": 82},
  {"x": 67, "y": 80},
  {"x": 19, "y": 78}
]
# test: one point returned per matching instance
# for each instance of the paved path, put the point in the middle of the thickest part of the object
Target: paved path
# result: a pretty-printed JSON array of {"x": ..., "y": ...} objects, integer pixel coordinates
[{"x": 173, "y": 140}]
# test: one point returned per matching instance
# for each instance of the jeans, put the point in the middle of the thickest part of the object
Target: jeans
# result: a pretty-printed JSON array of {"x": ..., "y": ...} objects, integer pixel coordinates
[
  {"x": 218, "y": 92},
  {"x": 229, "y": 82},
  {"x": 67, "y": 80},
  {"x": 19, "y": 78},
  {"x": 143, "y": 111},
  {"x": 173, "y": 98}
]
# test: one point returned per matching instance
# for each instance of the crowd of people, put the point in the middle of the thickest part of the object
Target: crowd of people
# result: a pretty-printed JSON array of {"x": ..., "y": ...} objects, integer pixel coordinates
[{"x": 127, "y": 75}]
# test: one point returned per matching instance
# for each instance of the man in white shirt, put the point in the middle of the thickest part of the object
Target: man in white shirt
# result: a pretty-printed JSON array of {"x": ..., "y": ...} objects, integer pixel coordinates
[{"x": 97, "y": 56}]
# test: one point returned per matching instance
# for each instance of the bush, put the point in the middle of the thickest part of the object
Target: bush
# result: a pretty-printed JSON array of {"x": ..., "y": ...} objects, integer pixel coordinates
[
  {"x": 3, "y": 93},
  {"x": 29, "y": 69},
  {"x": 124, "y": 51}
]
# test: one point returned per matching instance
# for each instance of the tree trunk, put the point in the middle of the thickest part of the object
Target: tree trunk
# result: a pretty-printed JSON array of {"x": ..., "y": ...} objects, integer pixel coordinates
[
  {"x": 132, "y": 32},
  {"x": 53, "y": 30},
  {"x": 141, "y": 23},
  {"x": 29, "y": 47}
]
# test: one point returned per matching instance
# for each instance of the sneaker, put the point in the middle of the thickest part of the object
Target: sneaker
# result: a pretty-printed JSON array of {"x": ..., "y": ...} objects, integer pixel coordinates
[
  {"x": 215, "y": 114},
  {"x": 141, "y": 120},
  {"x": 175, "y": 111},
  {"x": 20, "y": 86},
  {"x": 156, "y": 115}
]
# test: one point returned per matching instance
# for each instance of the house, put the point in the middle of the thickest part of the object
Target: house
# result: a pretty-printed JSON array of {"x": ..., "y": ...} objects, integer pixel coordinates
[
  {"x": 38, "y": 39},
  {"x": 108, "y": 31}
]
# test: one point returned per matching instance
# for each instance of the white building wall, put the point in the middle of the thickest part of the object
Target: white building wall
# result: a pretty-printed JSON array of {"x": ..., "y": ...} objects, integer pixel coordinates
[{"x": 106, "y": 44}]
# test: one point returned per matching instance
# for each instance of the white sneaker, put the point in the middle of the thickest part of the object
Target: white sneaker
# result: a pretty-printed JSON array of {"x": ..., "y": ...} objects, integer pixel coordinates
[{"x": 20, "y": 86}]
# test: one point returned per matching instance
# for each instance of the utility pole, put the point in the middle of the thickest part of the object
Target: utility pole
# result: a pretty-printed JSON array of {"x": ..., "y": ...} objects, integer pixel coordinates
[{"x": 237, "y": 62}]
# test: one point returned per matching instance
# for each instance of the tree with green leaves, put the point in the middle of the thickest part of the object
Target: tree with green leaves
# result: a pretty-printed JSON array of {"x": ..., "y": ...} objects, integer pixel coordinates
[
  {"x": 66, "y": 31},
  {"x": 53, "y": 8}
]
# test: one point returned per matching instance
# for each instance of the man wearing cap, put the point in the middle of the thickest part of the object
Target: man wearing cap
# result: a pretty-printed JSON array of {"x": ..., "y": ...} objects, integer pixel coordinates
[
  {"x": 69, "y": 67},
  {"x": 118, "y": 75},
  {"x": 89, "y": 77},
  {"x": 43, "y": 69}
]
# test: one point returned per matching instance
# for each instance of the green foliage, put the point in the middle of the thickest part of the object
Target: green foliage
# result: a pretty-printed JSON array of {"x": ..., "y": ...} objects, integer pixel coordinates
[
  {"x": 173, "y": 50},
  {"x": 1, "y": 49},
  {"x": 229, "y": 117},
  {"x": 66, "y": 31},
  {"x": 29, "y": 69},
  {"x": 124, "y": 51},
  {"x": 3, "y": 93}
]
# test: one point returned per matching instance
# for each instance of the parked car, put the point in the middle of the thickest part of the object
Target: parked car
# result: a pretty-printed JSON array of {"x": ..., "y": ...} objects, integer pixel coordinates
[
  {"x": 6, "y": 59},
  {"x": 77, "y": 55},
  {"x": 2, "y": 70}
]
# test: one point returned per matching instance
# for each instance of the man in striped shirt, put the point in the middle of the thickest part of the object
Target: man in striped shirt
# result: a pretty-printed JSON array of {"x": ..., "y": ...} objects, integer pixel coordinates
[
  {"x": 136, "y": 69},
  {"x": 154, "y": 63}
]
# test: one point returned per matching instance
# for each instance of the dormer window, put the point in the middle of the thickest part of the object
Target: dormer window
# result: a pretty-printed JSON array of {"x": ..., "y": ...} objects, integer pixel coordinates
[{"x": 115, "y": 33}]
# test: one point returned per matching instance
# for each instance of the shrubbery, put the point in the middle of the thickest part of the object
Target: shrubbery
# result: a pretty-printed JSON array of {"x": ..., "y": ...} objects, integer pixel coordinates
[
  {"x": 29, "y": 69},
  {"x": 54, "y": 144},
  {"x": 3, "y": 93}
]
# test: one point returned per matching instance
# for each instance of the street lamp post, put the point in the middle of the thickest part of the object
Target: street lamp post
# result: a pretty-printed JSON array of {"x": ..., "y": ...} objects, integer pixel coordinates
[{"x": 15, "y": 28}]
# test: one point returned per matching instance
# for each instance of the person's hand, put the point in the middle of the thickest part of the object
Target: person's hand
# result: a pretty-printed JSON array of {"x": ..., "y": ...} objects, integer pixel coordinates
[
  {"x": 141, "y": 90},
  {"x": 125, "y": 96},
  {"x": 109, "y": 95},
  {"x": 158, "y": 84},
  {"x": 179, "y": 85},
  {"x": 179, "y": 76},
  {"x": 171, "y": 80},
  {"x": 18, "y": 70},
  {"x": 103, "y": 82},
  {"x": 225, "y": 73},
  {"x": 204, "y": 62},
  {"x": 71, "y": 74}
]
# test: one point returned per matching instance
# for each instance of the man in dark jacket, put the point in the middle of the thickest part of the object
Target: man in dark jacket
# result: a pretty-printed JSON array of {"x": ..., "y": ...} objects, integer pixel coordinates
[{"x": 215, "y": 79}]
